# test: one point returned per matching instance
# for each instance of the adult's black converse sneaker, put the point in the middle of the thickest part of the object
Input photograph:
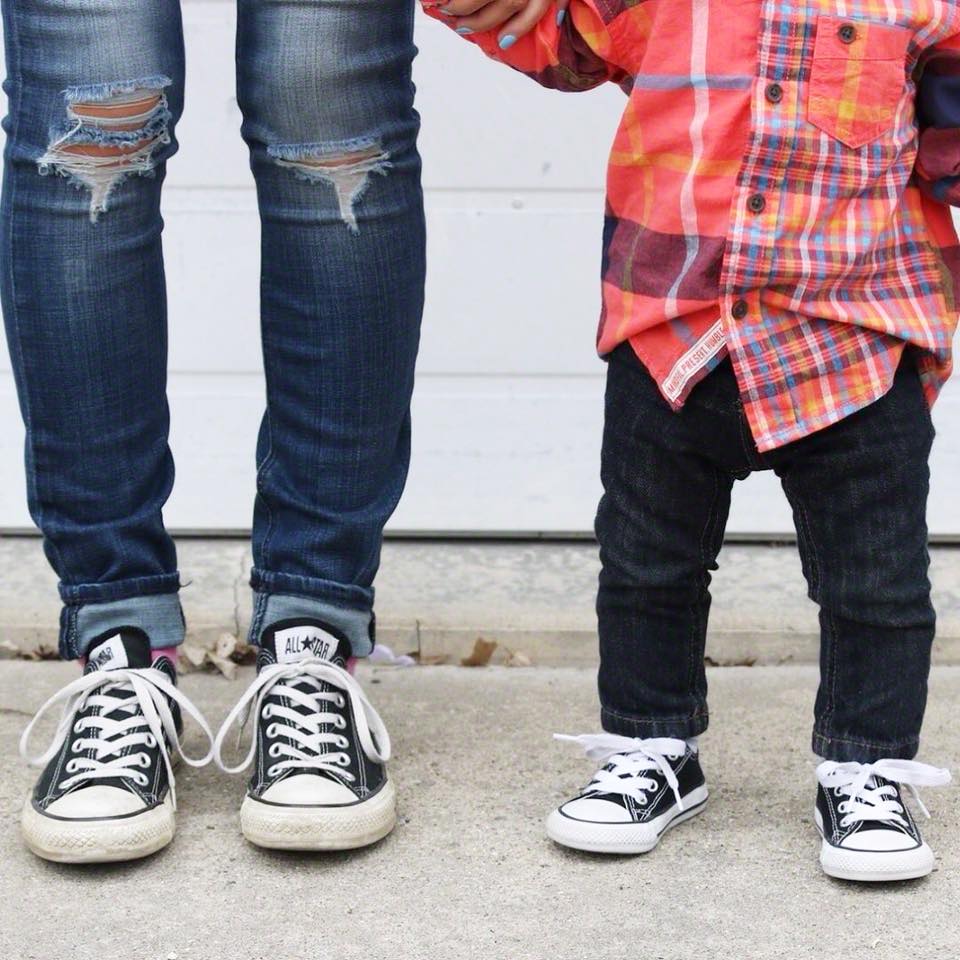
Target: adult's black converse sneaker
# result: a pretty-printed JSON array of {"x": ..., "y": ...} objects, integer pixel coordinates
[
  {"x": 319, "y": 748},
  {"x": 867, "y": 831},
  {"x": 107, "y": 788},
  {"x": 642, "y": 789}
]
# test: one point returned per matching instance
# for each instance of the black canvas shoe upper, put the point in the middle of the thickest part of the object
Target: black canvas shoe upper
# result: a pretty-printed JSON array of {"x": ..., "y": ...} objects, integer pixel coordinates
[
  {"x": 312, "y": 717},
  {"x": 637, "y": 781},
  {"x": 856, "y": 801},
  {"x": 105, "y": 737},
  {"x": 839, "y": 830}
]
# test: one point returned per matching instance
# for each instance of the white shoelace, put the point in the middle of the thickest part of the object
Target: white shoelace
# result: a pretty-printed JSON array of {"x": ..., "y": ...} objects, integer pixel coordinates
[
  {"x": 629, "y": 758},
  {"x": 311, "y": 746},
  {"x": 865, "y": 799},
  {"x": 148, "y": 718}
]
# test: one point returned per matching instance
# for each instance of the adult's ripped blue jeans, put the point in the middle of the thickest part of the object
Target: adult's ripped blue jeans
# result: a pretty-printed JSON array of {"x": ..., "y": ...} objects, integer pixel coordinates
[{"x": 95, "y": 91}]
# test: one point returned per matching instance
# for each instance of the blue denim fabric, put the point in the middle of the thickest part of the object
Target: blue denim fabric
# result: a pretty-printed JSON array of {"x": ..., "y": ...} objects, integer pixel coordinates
[
  {"x": 858, "y": 490},
  {"x": 327, "y": 99}
]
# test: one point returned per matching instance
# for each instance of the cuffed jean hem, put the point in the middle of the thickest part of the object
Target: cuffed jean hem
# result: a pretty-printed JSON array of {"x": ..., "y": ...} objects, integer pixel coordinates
[
  {"x": 119, "y": 589},
  {"x": 356, "y": 622},
  {"x": 159, "y": 616},
  {"x": 852, "y": 750},
  {"x": 680, "y": 728}
]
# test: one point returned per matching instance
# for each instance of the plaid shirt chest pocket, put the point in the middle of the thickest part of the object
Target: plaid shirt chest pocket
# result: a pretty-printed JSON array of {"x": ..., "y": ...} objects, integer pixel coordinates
[{"x": 857, "y": 78}]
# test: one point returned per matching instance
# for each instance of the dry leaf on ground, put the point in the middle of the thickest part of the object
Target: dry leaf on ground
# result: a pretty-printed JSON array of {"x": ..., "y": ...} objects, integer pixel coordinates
[
  {"x": 516, "y": 658},
  {"x": 43, "y": 652},
  {"x": 222, "y": 654},
  {"x": 10, "y": 651},
  {"x": 430, "y": 659},
  {"x": 481, "y": 654}
]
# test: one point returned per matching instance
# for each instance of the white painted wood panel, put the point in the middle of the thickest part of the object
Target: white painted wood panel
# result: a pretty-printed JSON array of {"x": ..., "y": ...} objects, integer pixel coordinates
[{"x": 508, "y": 405}]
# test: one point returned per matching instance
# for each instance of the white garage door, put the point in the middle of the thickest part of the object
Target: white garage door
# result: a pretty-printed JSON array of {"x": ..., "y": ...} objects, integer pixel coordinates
[{"x": 508, "y": 400}]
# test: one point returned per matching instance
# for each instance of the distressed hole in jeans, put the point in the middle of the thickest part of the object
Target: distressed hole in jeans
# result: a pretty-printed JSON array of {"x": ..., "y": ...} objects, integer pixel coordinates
[
  {"x": 347, "y": 167},
  {"x": 115, "y": 129}
]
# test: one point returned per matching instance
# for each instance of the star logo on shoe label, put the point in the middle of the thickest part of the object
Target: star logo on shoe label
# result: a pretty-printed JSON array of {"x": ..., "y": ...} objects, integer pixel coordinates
[
  {"x": 110, "y": 655},
  {"x": 298, "y": 643}
]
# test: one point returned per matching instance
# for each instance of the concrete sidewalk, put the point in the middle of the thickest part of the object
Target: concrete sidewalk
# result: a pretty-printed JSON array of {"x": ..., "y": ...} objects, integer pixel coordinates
[
  {"x": 468, "y": 873},
  {"x": 537, "y": 598}
]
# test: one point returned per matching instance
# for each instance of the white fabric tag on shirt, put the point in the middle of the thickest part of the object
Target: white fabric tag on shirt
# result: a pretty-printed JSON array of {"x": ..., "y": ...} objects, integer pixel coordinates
[
  {"x": 110, "y": 655},
  {"x": 298, "y": 643}
]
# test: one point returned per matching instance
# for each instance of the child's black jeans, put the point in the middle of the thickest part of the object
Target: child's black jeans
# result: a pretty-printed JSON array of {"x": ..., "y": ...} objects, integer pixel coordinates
[{"x": 858, "y": 491}]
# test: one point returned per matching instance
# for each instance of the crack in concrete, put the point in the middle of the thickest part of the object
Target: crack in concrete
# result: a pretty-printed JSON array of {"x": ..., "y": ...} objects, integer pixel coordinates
[{"x": 13, "y": 712}]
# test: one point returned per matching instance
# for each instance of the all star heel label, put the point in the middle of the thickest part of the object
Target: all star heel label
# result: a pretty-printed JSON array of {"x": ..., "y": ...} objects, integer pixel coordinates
[{"x": 298, "y": 643}]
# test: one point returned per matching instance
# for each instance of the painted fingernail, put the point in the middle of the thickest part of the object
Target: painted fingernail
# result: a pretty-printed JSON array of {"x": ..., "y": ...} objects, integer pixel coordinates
[
  {"x": 561, "y": 14},
  {"x": 445, "y": 12},
  {"x": 464, "y": 31},
  {"x": 508, "y": 41}
]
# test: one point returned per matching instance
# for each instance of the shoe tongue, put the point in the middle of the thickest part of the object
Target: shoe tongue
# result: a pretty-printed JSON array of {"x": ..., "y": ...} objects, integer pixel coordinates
[
  {"x": 126, "y": 647},
  {"x": 291, "y": 642}
]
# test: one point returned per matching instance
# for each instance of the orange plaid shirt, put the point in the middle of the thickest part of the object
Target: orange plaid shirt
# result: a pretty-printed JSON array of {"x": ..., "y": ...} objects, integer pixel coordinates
[{"x": 777, "y": 191}]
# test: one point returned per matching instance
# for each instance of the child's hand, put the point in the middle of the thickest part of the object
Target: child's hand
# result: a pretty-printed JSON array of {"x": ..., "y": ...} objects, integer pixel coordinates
[{"x": 514, "y": 18}]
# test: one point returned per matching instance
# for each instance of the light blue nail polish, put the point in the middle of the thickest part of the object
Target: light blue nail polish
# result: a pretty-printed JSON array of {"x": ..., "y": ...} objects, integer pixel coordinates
[
  {"x": 464, "y": 31},
  {"x": 507, "y": 42},
  {"x": 446, "y": 12},
  {"x": 561, "y": 14}
]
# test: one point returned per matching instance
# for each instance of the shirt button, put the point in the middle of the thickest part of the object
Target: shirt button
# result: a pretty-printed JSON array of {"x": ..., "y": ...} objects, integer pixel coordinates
[
  {"x": 740, "y": 308},
  {"x": 847, "y": 33},
  {"x": 756, "y": 203},
  {"x": 774, "y": 92}
]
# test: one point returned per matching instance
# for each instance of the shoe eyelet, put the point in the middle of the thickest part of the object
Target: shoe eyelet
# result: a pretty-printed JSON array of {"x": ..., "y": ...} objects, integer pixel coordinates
[
  {"x": 271, "y": 731},
  {"x": 837, "y": 792},
  {"x": 643, "y": 800},
  {"x": 142, "y": 779},
  {"x": 340, "y": 723},
  {"x": 343, "y": 743},
  {"x": 151, "y": 741},
  {"x": 341, "y": 701},
  {"x": 267, "y": 711},
  {"x": 144, "y": 760},
  {"x": 272, "y": 771},
  {"x": 274, "y": 750},
  {"x": 343, "y": 760},
  {"x": 70, "y": 766},
  {"x": 79, "y": 727},
  {"x": 75, "y": 747},
  {"x": 842, "y": 807}
]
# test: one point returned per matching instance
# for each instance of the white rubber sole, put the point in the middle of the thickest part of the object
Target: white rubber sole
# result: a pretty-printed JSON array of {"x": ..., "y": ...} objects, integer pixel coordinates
[
  {"x": 98, "y": 841},
  {"x": 622, "y": 838},
  {"x": 873, "y": 867},
  {"x": 280, "y": 827}
]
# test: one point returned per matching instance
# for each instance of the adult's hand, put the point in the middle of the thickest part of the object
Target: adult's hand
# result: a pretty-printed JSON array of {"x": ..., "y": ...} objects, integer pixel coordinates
[{"x": 511, "y": 18}]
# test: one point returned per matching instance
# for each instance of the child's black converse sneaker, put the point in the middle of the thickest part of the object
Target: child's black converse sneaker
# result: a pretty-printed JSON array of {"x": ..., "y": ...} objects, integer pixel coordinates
[
  {"x": 868, "y": 832},
  {"x": 107, "y": 788},
  {"x": 319, "y": 749},
  {"x": 643, "y": 788}
]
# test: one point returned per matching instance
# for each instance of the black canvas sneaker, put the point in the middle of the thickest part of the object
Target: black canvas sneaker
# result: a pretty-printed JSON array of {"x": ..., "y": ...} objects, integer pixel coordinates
[
  {"x": 642, "y": 789},
  {"x": 868, "y": 832},
  {"x": 319, "y": 748},
  {"x": 107, "y": 788}
]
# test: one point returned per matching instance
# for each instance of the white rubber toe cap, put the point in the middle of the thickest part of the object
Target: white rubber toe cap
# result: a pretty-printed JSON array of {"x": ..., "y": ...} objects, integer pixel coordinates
[
  {"x": 307, "y": 789},
  {"x": 96, "y": 801},
  {"x": 878, "y": 840},
  {"x": 594, "y": 810}
]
